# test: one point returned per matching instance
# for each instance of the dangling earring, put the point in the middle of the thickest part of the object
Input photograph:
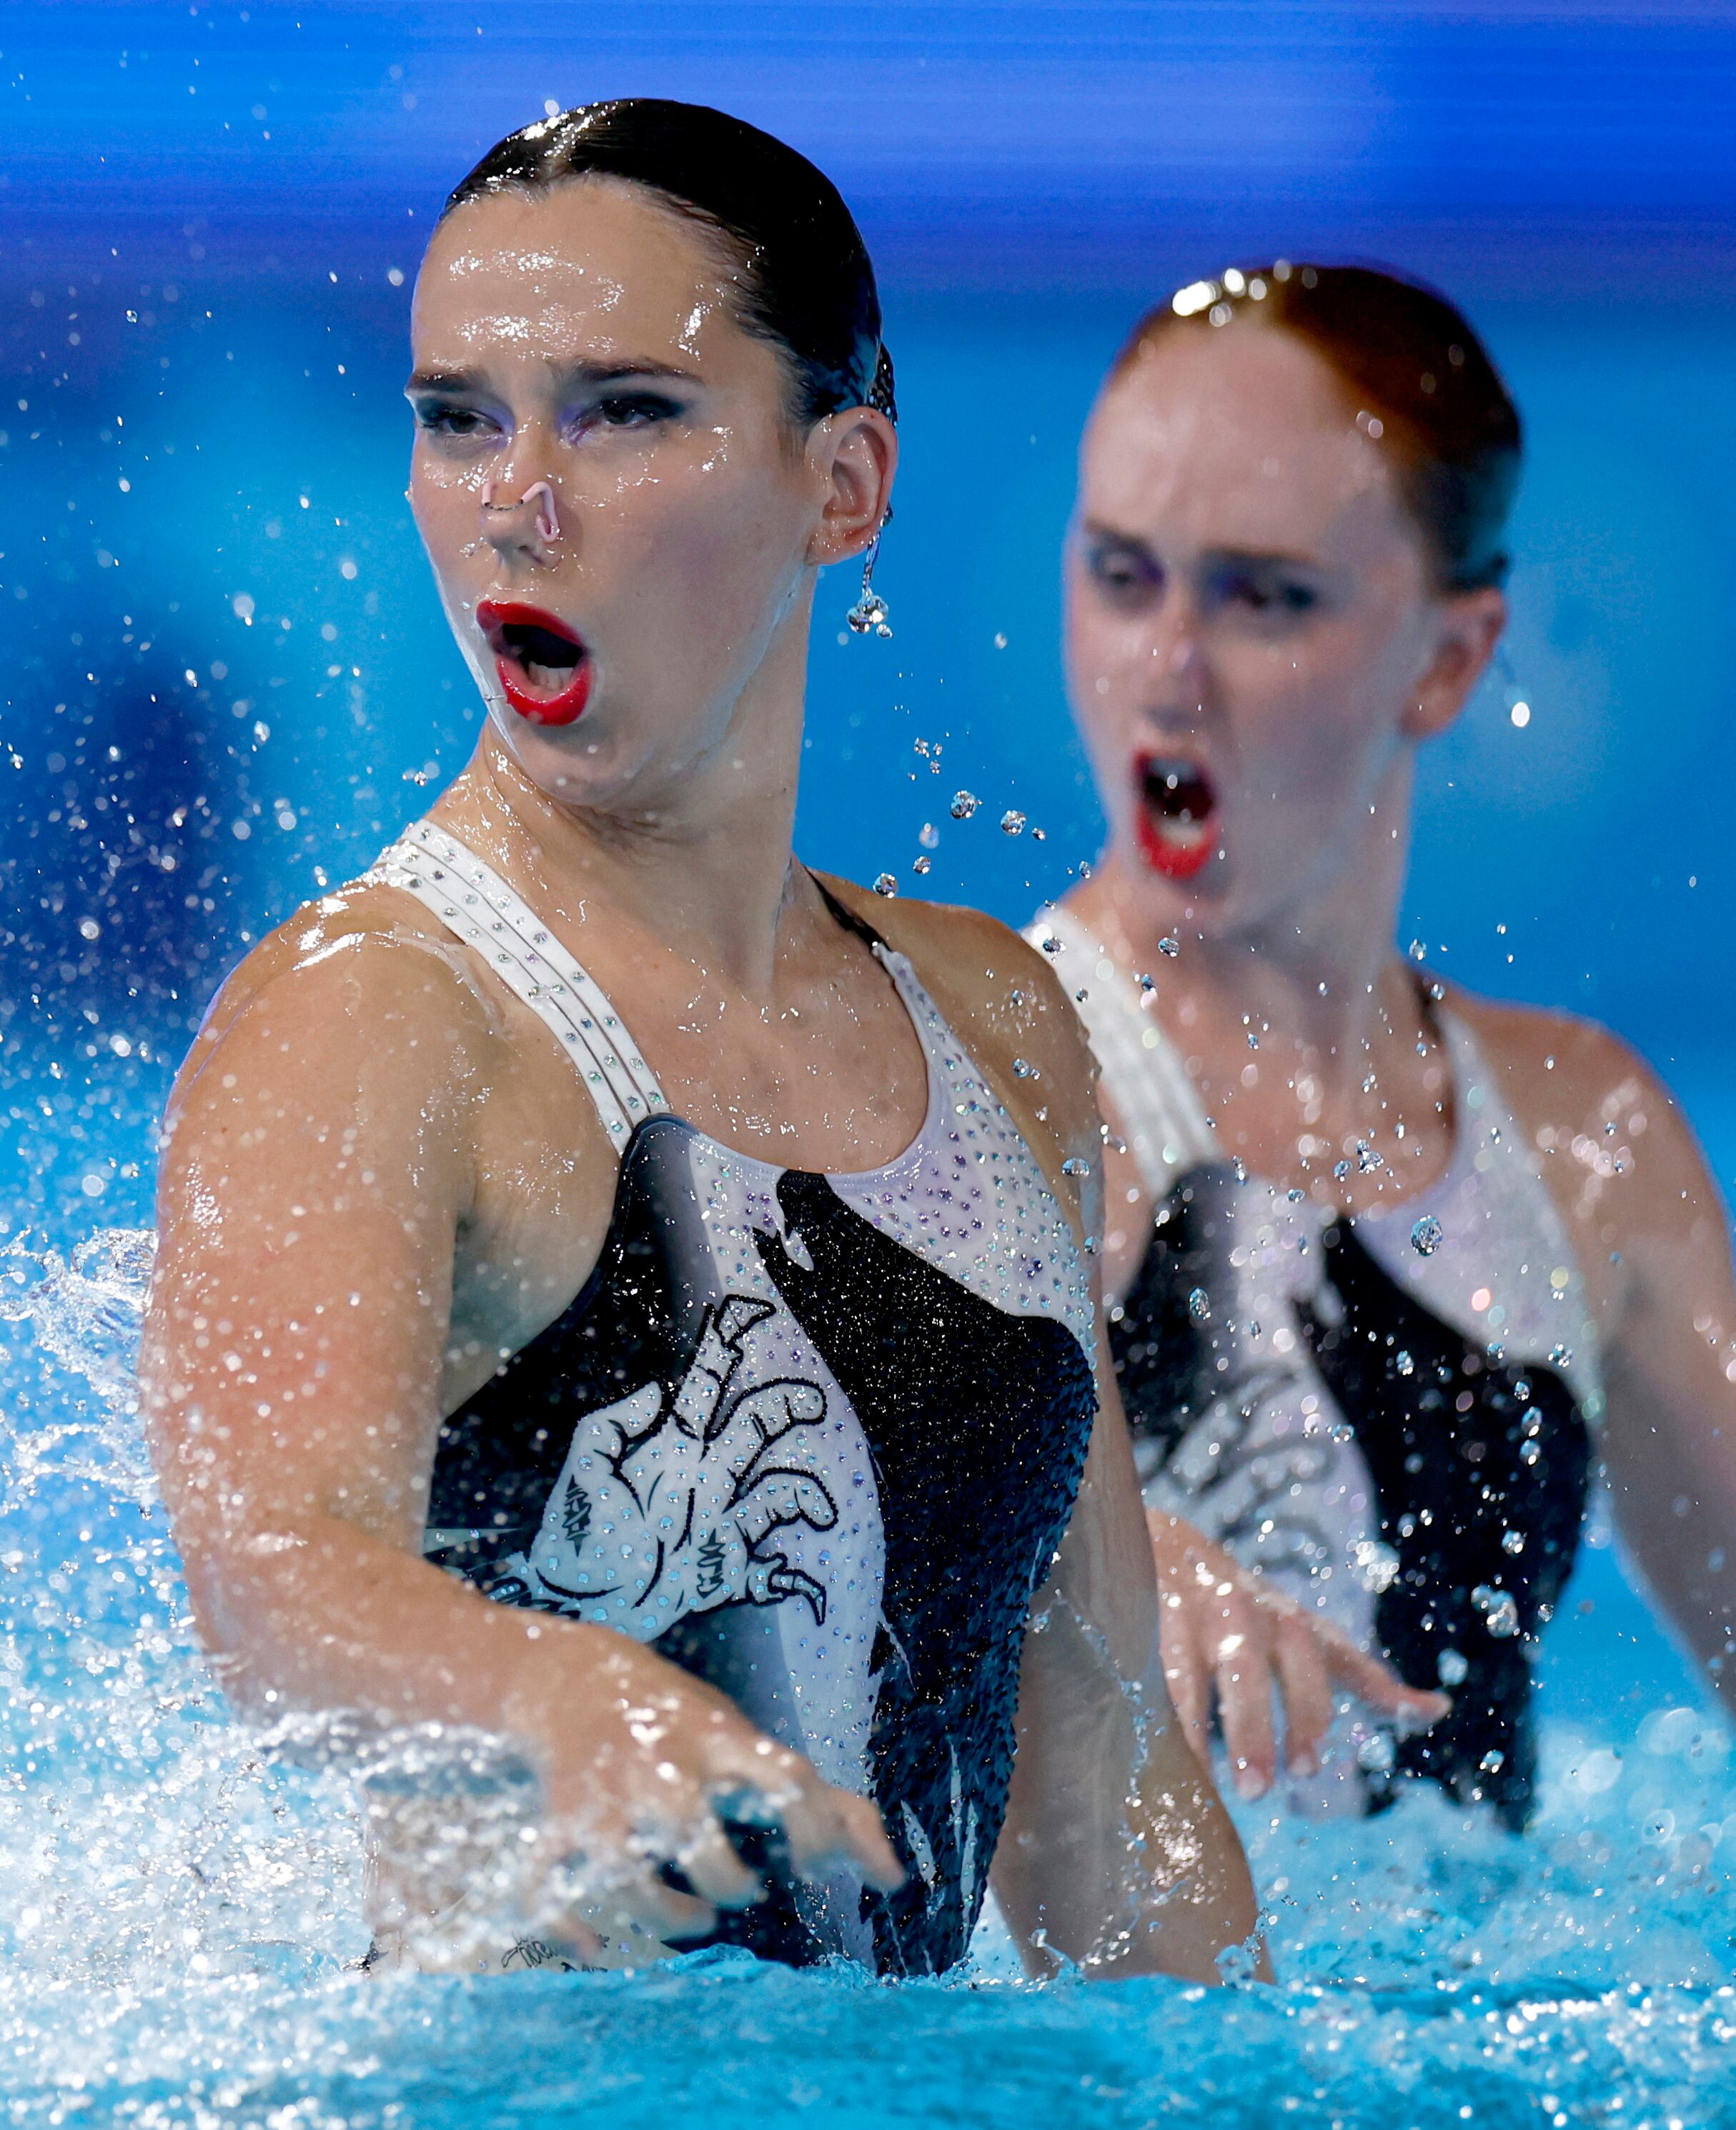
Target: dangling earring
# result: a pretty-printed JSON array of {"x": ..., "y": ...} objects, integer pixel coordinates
[
  {"x": 868, "y": 616},
  {"x": 1518, "y": 710}
]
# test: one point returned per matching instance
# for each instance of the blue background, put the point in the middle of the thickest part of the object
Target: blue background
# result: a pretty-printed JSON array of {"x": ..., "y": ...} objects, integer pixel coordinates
[{"x": 224, "y": 667}]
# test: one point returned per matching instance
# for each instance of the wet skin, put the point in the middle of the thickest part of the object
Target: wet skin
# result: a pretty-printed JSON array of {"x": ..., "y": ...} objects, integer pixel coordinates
[
  {"x": 381, "y": 1175},
  {"x": 1245, "y": 590}
]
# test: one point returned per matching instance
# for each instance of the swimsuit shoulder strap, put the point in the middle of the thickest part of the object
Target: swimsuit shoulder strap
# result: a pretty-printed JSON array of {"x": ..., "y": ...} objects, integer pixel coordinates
[
  {"x": 475, "y": 905},
  {"x": 1167, "y": 1128}
]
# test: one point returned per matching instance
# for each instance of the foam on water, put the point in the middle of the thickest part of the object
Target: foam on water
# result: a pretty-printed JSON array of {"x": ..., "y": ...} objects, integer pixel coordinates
[{"x": 180, "y": 1907}]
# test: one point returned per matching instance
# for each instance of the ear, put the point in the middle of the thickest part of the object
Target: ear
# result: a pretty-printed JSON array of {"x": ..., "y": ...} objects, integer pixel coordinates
[
  {"x": 1467, "y": 627},
  {"x": 853, "y": 455}
]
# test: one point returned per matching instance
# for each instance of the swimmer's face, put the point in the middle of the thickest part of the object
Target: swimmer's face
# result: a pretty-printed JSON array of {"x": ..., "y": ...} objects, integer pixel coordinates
[
  {"x": 1255, "y": 641},
  {"x": 584, "y": 338}
]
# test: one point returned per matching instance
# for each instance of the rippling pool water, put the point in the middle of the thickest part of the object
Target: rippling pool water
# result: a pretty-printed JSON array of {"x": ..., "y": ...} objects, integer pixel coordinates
[{"x": 179, "y": 1913}]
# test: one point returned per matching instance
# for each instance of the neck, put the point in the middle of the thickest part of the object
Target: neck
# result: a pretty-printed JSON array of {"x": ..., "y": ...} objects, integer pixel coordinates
[
  {"x": 708, "y": 868},
  {"x": 1318, "y": 974}
]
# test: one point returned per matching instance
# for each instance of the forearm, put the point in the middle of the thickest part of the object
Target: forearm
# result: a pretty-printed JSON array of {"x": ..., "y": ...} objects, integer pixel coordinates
[
  {"x": 331, "y": 1617},
  {"x": 1118, "y": 1854},
  {"x": 1689, "y": 1562}
]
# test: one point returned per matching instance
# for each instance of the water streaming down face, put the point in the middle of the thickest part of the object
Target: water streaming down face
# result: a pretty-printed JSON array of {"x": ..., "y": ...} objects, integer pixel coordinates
[{"x": 180, "y": 1906}]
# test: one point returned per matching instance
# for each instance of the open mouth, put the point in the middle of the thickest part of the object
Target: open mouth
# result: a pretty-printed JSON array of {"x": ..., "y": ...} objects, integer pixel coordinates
[
  {"x": 543, "y": 668},
  {"x": 1177, "y": 821}
]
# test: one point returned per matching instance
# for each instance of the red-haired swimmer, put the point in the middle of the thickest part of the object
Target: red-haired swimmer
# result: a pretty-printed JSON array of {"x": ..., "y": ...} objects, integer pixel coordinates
[{"x": 1393, "y": 1267}]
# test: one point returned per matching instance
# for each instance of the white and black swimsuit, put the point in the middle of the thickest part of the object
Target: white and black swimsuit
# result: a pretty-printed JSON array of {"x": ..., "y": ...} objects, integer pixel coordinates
[
  {"x": 816, "y": 1438},
  {"x": 1388, "y": 1414}
]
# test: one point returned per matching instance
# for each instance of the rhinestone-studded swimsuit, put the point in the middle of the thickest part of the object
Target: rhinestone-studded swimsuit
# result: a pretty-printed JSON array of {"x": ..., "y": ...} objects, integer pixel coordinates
[
  {"x": 1387, "y": 1415},
  {"x": 816, "y": 1438}
]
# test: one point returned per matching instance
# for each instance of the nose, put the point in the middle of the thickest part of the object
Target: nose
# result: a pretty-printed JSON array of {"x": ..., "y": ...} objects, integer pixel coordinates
[
  {"x": 1175, "y": 648},
  {"x": 526, "y": 526}
]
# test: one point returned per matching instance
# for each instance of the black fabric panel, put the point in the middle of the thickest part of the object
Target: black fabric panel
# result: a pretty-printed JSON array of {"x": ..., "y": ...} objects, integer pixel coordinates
[
  {"x": 979, "y": 1422},
  {"x": 1463, "y": 1449},
  {"x": 499, "y": 1456}
]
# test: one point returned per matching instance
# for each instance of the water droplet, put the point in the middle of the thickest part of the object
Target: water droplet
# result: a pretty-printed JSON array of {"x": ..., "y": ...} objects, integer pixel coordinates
[
  {"x": 1561, "y": 1357},
  {"x": 1075, "y": 1166},
  {"x": 1012, "y": 822},
  {"x": 1169, "y": 946},
  {"x": 1418, "y": 951},
  {"x": 1451, "y": 1668},
  {"x": 1200, "y": 1305},
  {"x": 965, "y": 804},
  {"x": 1426, "y": 1236},
  {"x": 886, "y": 883},
  {"x": 923, "y": 864},
  {"x": 1376, "y": 1752}
]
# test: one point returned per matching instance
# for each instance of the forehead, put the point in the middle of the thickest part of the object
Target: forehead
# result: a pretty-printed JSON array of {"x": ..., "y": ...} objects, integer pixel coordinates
[
  {"x": 588, "y": 266},
  {"x": 1240, "y": 436}
]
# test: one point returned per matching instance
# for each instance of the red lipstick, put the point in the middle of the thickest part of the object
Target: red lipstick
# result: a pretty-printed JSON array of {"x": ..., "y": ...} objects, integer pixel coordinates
[
  {"x": 1177, "y": 823},
  {"x": 544, "y": 669}
]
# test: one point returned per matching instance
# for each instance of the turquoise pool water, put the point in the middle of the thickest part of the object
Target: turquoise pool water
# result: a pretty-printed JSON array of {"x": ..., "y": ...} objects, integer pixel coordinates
[{"x": 178, "y": 1910}]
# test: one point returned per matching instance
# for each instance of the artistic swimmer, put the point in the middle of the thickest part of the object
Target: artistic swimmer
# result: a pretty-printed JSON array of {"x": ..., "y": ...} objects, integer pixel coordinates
[
  {"x": 615, "y": 1292},
  {"x": 1394, "y": 1267}
]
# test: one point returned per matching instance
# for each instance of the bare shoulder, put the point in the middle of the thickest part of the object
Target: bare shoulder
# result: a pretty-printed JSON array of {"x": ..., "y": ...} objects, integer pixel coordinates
[
  {"x": 1613, "y": 1145},
  {"x": 363, "y": 969},
  {"x": 1560, "y": 1072},
  {"x": 1007, "y": 1005}
]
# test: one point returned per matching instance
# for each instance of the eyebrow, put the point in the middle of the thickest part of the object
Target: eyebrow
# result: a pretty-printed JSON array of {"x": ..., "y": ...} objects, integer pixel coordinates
[
  {"x": 590, "y": 374},
  {"x": 1096, "y": 529}
]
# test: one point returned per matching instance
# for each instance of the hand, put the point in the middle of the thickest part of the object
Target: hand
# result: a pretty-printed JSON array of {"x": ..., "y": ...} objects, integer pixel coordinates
[
  {"x": 1223, "y": 1631},
  {"x": 642, "y": 1771},
  {"x": 666, "y": 1507},
  {"x": 640, "y": 1765}
]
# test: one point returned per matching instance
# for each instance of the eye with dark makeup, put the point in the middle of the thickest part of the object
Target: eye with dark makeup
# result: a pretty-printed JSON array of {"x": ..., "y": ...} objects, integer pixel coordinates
[
  {"x": 450, "y": 418},
  {"x": 1267, "y": 591},
  {"x": 1124, "y": 571},
  {"x": 633, "y": 410}
]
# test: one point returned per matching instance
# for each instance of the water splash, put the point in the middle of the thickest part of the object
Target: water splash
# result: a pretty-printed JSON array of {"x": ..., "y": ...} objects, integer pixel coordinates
[
  {"x": 85, "y": 1313},
  {"x": 181, "y": 1900}
]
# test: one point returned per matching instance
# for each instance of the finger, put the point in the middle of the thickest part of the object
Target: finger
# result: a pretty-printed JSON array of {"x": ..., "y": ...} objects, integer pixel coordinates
[
  {"x": 777, "y": 1498},
  {"x": 762, "y": 1416},
  {"x": 709, "y": 1864},
  {"x": 1188, "y": 1677},
  {"x": 1242, "y": 1672},
  {"x": 828, "y": 1830},
  {"x": 639, "y": 1903},
  {"x": 1306, "y": 1691},
  {"x": 579, "y": 1941},
  {"x": 1377, "y": 1684}
]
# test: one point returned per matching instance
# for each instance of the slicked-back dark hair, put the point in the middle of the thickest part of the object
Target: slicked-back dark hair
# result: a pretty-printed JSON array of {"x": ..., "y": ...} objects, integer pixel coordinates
[
  {"x": 804, "y": 279},
  {"x": 1410, "y": 359}
]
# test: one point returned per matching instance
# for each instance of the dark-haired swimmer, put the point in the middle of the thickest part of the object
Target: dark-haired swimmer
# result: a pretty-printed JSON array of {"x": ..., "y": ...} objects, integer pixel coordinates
[
  {"x": 615, "y": 1291},
  {"x": 1394, "y": 1266}
]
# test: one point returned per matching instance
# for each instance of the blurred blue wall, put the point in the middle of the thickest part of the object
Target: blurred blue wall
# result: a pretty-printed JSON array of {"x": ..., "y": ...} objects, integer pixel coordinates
[{"x": 224, "y": 667}]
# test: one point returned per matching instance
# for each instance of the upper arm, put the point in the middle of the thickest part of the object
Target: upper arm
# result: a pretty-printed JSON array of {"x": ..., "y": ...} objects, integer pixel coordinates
[
  {"x": 313, "y": 1176},
  {"x": 1652, "y": 1235}
]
